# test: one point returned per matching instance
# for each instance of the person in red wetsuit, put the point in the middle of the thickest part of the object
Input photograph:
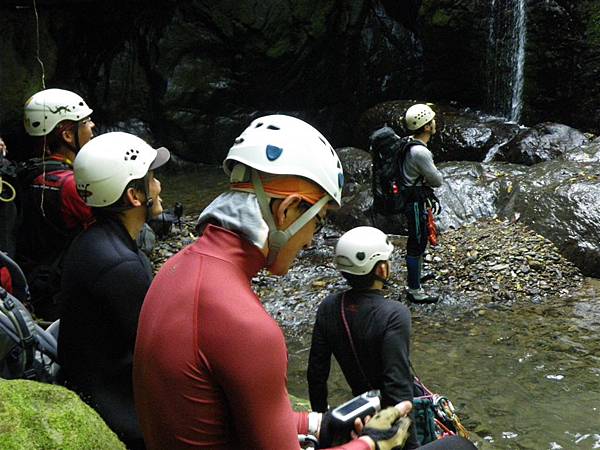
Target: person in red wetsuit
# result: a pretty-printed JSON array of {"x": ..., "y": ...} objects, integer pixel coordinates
[
  {"x": 52, "y": 210},
  {"x": 210, "y": 364}
]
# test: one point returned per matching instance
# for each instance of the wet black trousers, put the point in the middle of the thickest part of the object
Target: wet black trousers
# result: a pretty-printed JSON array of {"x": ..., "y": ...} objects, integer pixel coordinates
[{"x": 416, "y": 223}]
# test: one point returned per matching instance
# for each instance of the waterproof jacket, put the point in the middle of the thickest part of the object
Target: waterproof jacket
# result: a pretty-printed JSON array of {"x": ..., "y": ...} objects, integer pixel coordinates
[
  {"x": 380, "y": 330},
  {"x": 210, "y": 366},
  {"x": 104, "y": 282},
  {"x": 52, "y": 211}
]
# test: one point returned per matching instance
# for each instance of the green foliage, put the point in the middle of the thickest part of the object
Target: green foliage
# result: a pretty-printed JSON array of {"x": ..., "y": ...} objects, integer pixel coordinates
[
  {"x": 593, "y": 24},
  {"x": 440, "y": 18},
  {"x": 42, "y": 416},
  {"x": 299, "y": 404}
]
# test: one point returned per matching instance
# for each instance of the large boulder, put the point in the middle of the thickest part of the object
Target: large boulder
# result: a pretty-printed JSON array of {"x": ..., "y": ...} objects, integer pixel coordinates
[
  {"x": 42, "y": 416},
  {"x": 589, "y": 152},
  {"x": 470, "y": 191},
  {"x": 542, "y": 142},
  {"x": 559, "y": 200},
  {"x": 473, "y": 191},
  {"x": 462, "y": 134}
]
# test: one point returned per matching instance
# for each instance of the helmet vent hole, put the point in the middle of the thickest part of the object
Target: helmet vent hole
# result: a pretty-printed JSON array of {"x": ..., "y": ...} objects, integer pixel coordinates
[
  {"x": 360, "y": 256},
  {"x": 133, "y": 157},
  {"x": 35, "y": 124},
  {"x": 273, "y": 127},
  {"x": 258, "y": 125},
  {"x": 322, "y": 140},
  {"x": 239, "y": 140}
]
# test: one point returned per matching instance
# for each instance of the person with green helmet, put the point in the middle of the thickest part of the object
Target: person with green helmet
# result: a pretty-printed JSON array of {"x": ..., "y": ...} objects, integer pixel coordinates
[
  {"x": 419, "y": 170},
  {"x": 210, "y": 366},
  {"x": 105, "y": 276},
  {"x": 52, "y": 212}
]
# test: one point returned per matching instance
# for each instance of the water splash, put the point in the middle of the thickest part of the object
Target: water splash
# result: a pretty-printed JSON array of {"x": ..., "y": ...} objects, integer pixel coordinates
[{"x": 506, "y": 57}]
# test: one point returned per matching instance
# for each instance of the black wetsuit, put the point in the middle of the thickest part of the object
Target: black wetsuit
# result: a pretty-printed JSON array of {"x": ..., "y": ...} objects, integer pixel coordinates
[
  {"x": 105, "y": 279},
  {"x": 380, "y": 331}
]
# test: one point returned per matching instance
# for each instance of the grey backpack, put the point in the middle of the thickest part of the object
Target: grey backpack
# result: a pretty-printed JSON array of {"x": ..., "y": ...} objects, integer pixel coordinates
[{"x": 26, "y": 349}]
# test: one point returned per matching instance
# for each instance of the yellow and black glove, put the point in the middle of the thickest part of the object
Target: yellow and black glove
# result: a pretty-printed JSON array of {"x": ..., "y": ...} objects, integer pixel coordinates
[{"x": 387, "y": 429}]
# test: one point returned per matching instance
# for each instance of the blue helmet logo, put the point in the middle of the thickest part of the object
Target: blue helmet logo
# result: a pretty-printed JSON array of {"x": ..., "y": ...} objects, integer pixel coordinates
[{"x": 273, "y": 152}]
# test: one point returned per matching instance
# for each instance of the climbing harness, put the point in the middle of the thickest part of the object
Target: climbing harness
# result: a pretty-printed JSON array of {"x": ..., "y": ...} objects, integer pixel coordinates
[{"x": 435, "y": 415}]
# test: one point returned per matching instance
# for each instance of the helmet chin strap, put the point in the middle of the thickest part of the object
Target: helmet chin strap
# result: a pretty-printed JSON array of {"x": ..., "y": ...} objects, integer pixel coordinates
[
  {"x": 149, "y": 199},
  {"x": 278, "y": 238}
]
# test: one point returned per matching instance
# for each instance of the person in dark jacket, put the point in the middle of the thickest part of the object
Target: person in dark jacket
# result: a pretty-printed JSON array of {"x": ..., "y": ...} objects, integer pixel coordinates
[
  {"x": 368, "y": 335},
  {"x": 52, "y": 213},
  {"x": 106, "y": 277}
]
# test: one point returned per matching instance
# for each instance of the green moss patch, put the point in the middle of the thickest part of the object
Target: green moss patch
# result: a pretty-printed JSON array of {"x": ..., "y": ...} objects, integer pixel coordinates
[{"x": 41, "y": 416}]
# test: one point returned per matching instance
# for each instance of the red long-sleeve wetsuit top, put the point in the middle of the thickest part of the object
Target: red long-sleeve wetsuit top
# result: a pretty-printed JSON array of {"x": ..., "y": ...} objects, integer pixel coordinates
[{"x": 210, "y": 366}]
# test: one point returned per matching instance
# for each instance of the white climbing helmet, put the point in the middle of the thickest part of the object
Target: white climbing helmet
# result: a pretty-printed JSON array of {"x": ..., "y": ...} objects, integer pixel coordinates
[
  {"x": 284, "y": 145},
  {"x": 359, "y": 249},
  {"x": 106, "y": 164},
  {"x": 417, "y": 116},
  {"x": 46, "y": 109}
]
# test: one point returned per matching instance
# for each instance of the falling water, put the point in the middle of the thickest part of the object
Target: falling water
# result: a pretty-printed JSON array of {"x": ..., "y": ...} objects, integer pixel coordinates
[{"x": 506, "y": 57}]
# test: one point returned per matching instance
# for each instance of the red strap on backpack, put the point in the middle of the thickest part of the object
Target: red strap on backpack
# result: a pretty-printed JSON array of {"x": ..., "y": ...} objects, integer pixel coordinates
[
  {"x": 6, "y": 280},
  {"x": 431, "y": 228}
]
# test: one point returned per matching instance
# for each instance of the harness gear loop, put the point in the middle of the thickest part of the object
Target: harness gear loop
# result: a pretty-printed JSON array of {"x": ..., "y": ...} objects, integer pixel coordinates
[{"x": 10, "y": 188}]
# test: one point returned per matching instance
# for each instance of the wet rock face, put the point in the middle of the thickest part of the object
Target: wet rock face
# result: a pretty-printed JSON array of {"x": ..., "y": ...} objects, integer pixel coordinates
[
  {"x": 462, "y": 134},
  {"x": 561, "y": 60},
  {"x": 543, "y": 142},
  {"x": 474, "y": 191},
  {"x": 557, "y": 199},
  {"x": 560, "y": 201},
  {"x": 198, "y": 72},
  {"x": 589, "y": 152}
]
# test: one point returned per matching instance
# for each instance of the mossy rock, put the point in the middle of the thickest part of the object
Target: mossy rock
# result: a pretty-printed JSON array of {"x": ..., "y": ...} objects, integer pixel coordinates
[
  {"x": 298, "y": 404},
  {"x": 42, "y": 416}
]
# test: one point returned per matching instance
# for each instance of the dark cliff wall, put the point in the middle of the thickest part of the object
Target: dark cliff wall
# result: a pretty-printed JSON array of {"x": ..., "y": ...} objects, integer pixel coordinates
[{"x": 195, "y": 72}]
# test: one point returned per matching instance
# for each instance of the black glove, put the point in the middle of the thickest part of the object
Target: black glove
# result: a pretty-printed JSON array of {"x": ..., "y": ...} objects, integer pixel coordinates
[
  {"x": 433, "y": 203},
  {"x": 387, "y": 429}
]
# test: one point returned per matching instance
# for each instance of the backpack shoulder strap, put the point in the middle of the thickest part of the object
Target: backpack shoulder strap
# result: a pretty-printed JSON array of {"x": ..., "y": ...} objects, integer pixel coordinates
[
  {"x": 10, "y": 308},
  {"x": 401, "y": 157},
  {"x": 33, "y": 168}
]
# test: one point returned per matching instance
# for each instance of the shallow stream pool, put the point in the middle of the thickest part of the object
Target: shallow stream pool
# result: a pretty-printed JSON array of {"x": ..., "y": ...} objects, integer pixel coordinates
[{"x": 524, "y": 377}]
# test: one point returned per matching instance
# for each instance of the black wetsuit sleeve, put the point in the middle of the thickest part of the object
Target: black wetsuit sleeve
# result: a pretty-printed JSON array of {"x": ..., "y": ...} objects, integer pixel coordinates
[
  {"x": 395, "y": 353},
  {"x": 319, "y": 364},
  {"x": 123, "y": 288},
  {"x": 397, "y": 377}
]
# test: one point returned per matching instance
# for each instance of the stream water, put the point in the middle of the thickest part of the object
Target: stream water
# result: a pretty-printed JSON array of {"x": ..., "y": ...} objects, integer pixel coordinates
[{"x": 521, "y": 377}]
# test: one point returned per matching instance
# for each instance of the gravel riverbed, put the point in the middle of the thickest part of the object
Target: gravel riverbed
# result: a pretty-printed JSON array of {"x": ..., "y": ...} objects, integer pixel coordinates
[{"x": 488, "y": 264}]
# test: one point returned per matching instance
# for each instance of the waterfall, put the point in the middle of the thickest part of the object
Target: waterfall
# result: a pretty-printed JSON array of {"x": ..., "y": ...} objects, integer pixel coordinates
[{"x": 506, "y": 57}]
